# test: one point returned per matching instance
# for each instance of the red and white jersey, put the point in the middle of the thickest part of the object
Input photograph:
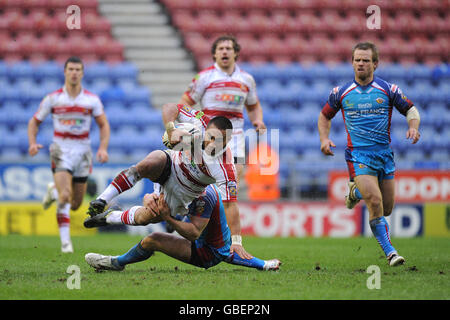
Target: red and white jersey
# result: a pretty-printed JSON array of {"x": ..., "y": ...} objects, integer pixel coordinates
[
  {"x": 189, "y": 179},
  {"x": 71, "y": 116},
  {"x": 220, "y": 94}
]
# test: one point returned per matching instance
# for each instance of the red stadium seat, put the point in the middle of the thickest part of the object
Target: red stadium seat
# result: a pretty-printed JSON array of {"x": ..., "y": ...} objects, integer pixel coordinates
[
  {"x": 258, "y": 23},
  {"x": 234, "y": 22},
  {"x": 271, "y": 46},
  {"x": 295, "y": 44}
]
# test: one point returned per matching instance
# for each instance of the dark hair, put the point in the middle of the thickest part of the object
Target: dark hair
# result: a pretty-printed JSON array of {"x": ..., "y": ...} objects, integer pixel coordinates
[
  {"x": 366, "y": 46},
  {"x": 221, "y": 123},
  {"x": 236, "y": 46},
  {"x": 73, "y": 59}
]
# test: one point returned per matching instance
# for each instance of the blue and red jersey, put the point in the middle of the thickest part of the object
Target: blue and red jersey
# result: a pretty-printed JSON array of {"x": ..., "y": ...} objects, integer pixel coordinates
[
  {"x": 217, "y": 233},
  {"x": 367, "y": 110}
]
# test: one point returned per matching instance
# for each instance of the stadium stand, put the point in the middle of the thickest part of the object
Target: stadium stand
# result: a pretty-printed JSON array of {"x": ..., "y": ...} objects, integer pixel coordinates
[{"x": 297, "y": 50}]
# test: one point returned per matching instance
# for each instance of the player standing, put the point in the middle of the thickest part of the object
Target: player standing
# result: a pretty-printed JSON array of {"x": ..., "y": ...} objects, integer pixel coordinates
[
  {"x": 224, "y": 89},
  {"x": 72, "y": 109},
  {"x": 367, "y": 104}
]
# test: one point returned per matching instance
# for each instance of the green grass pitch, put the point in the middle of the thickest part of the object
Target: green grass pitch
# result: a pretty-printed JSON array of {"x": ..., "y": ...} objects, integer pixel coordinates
[{"x": 32, "y": 267}]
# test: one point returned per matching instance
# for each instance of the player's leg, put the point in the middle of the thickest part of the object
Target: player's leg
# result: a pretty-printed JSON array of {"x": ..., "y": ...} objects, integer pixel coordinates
[
  {"x": 273, "y": 264},
  {"x": 387, "y": 187},
  {"x": 79, "y": 187},
  {"x": 156, "y": 167},
  {"x": 51, "y": 195},
  {"x": 371, "y": 193},
  {"x": 134, "y": 216},
  {"x": 63, "y": 185}
]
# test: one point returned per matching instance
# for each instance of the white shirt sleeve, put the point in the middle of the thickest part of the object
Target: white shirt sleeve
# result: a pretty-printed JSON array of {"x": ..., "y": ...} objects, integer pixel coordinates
[
  {"x": 45, "y": 108},
  {"x": 97, "y": 108},
  {"x": 252, "y": 97}
]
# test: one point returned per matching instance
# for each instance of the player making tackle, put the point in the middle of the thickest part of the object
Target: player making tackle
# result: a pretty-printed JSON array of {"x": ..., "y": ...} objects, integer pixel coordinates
[{"x": 181, "y": 176}]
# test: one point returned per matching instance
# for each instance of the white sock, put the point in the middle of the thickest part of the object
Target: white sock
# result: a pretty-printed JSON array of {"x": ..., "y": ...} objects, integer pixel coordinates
[
  {"x": 63, "y": 218},
  {"x": 109, "y": 193},
  {"x": 124, "y": 181},
  {"x": 123, "y": 217}
]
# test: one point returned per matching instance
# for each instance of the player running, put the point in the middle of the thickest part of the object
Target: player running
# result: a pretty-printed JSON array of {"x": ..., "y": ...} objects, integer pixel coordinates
[
  {"x": 205, "y": 241},
  {"x": 72, "y": 109},
  {"x": 367, "y": 103}
]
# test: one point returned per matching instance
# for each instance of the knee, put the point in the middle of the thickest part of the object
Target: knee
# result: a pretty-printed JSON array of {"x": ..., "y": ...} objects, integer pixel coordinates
[
  {"x": 152, "y": 241},
  {"x": 374, "y": 200},
  {"x": 152, "y": 165},
  {"x": 65, "y": 195}
]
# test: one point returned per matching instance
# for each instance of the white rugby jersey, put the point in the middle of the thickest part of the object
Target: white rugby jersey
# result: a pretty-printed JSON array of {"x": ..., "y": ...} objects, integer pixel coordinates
[
  {"x": 220, "y": 94},
  {"x": 71, "y": 116},
  {"x": 189, "y": 179}
]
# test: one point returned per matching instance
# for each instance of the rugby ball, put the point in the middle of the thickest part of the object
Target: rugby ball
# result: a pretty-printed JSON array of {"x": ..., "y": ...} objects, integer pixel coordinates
[{"x": 196, "y": 135}]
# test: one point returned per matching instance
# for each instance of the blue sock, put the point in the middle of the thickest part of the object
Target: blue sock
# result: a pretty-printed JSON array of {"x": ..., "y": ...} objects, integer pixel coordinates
[
  {"x": 358, "y": 194},
  {"x": 135, "y": 254},
  {"x": 251, "y": 263},
  {"x": 380, "y": 230}
]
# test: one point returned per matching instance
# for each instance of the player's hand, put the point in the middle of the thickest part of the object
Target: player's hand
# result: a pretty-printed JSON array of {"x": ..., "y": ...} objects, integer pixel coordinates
[
  {"x": 151, "y": 202},
  {"x": 163, "y": 207},
  {"x": 260, "y": 127},
  {"x": 325, "y": 147},
  {"x": 239, "y": 249},
  {"x": 102, "y": 155},
  {"x": 413, "y": 134},
  {"x": 176, "y": 135},
  {"x": 34, "y": 149}
]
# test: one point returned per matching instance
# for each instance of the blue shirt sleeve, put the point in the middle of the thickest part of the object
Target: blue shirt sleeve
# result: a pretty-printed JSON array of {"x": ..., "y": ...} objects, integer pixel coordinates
[
  {"x": 205, "y": 204},
  {"x": 399, "y": 100}
]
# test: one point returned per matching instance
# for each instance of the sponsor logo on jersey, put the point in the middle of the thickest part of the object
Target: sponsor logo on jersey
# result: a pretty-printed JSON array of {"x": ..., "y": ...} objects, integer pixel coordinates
[
  {"x": 229, "y": 98},
  {"x": 232, "y": 188},
  {"x": 71, "y": 122},
  {"x": 200, "y": 206},
  {"x": 379, "y": 100}
]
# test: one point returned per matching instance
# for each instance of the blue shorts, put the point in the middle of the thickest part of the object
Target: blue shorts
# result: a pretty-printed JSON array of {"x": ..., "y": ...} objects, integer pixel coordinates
[
  {"x": 206, "y": 256},
  {"x": 375, "y": 161}
]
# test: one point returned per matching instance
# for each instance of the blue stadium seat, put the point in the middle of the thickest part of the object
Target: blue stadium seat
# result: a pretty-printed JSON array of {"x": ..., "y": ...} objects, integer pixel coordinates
[
  {"x": 136, "y": 94},
  {"x": 125, "y": 70},
  {"x": 49, "y": 70},
  {"x": 418, "y": 72},
  {"x": 20, "y": 70},
  {"x": 98, "y": 70},
  {"x": 112, "y": 94},
  {"x": 341, "y": 73}
]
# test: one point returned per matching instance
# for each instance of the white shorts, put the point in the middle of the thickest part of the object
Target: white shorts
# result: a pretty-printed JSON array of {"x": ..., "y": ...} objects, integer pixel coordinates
[
  {"x": 77, "y": 161},
  {"x": 175, "y": 196}
]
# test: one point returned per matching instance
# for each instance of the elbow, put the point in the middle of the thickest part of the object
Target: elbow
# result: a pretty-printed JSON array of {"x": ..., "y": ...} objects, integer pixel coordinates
[{"x": 194, "y": 236}]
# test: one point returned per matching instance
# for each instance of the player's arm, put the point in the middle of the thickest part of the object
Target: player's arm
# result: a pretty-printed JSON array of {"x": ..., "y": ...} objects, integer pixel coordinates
[
  {"x": 413, "y": 118},
  {"x": 189, "y": 230},
  {"x": 185, "y": 99},
  {"x": 406, "y": 107},
  {"x": 33, "y": 128},
  {"x": 255, "y": 115},
  {"x": 324, "y": 126},
  {"x": 234, "y": 223},
  {"x": 103, "y": 125},
  {"x": 170, "y": 113}
]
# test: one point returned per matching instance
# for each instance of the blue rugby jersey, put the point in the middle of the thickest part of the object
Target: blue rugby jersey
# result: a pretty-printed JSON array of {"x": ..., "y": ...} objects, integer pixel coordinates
[
  {"x": 217, "y": 233},
  {"x": 367, "y": 110}
]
